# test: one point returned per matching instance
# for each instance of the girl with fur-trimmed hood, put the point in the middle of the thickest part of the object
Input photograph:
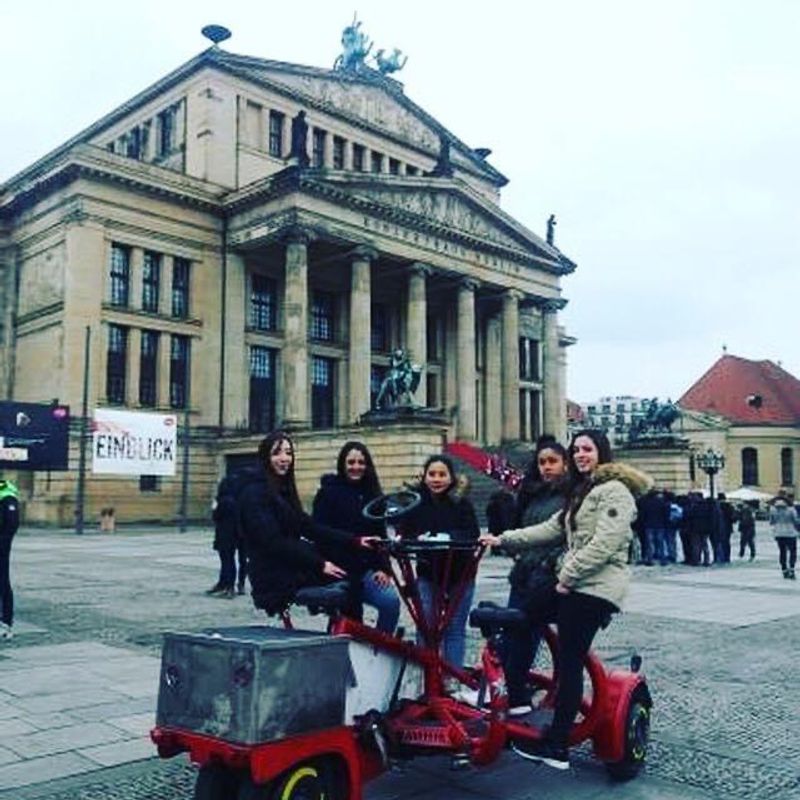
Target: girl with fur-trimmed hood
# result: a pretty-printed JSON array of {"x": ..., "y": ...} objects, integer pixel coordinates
[{"x": 592, "y": 575}]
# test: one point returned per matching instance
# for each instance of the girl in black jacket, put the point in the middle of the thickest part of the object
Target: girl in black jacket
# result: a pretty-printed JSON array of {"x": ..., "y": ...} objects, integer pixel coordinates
[
  {"x": 443, "y": 511},
  {"x": 340, "y": 500},
  {"x": 276, "y": 531}
]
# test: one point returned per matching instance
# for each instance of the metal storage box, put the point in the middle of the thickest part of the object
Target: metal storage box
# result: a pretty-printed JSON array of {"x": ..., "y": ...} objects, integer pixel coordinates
[{"x": 253, "y": 684}]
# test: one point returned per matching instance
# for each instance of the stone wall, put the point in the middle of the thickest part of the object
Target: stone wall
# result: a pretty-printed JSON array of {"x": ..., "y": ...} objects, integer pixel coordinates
[{"x": 668, "y": 466}]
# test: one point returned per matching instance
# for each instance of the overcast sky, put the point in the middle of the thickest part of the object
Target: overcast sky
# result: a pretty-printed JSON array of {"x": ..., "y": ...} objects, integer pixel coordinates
[{"x": 664, "y": 136}]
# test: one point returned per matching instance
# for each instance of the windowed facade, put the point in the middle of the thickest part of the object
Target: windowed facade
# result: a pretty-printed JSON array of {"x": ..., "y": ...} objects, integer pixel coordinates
[
  {"x": 338, "y": 152},
  {"x": 261, "y": 416},
  {"x": 262, "y": 303},
  {"x": 116, "y": 364},
  {"x": 275, "y": 144},
  {"x": 322, "y": 317},
  {"x": 358, "y": 157},
  {"x": 749, "y": 466},
  {"x": 120, "y": 275},
  {"x": 322, "y": 392},
  {"x": 180, "y": 288},
  {"x": 379, "y": 328},
  {"x": 148, "y": 369},
  {"x": 318, "y": 147},
  {"x": 787, "y": 467},
  {"x": 529, "y": 359},
  {"x": 178, "y": 371},
  {"x": 151, "y": 281}
]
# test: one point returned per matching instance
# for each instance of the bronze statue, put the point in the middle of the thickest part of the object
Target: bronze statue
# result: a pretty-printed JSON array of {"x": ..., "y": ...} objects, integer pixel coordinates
[
  {"x": 387, "y": 64},
  {"x": 299, "y": 143},
  {"x": 657, "y": 420},
  {"x": 443, "y": 168},
  {"x": 355, "y": 48},
  {"x": 551, "y": 229},
  {"x": 400, "y": 383}
]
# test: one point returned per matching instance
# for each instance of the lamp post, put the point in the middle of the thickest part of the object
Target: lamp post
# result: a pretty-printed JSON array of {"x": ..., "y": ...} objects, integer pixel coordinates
[{"x": 711, "y": 462}]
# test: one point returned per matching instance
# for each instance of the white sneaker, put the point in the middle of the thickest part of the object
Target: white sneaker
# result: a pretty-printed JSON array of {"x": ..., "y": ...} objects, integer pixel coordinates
[{"x": 5, "y": 632}]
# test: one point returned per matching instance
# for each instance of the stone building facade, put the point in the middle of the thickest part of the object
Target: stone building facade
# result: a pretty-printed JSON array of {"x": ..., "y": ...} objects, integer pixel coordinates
[{"x": 219, "y": 276}]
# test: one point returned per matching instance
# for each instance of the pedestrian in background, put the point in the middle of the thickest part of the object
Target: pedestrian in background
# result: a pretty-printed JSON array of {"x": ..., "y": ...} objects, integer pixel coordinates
[
  {"x": 784, "y": 523},
  {"x": 747, "y": 531},
  {"x": 228, "y": 541},
  {"x": 9, "y": 522}
]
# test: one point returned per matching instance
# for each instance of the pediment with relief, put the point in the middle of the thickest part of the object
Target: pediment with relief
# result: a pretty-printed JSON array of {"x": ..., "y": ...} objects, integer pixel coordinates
[{"x": 451, "y": 210}]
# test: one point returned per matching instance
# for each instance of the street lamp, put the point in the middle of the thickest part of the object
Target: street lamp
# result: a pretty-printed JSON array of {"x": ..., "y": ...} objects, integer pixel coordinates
[{"x": 711, "y": 462}]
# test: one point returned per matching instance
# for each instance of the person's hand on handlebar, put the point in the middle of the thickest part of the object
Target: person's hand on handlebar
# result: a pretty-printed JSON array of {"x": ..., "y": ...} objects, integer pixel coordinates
[
  {"x": 368, "y": 542},
  {"x": 490, "y": 540},
  {"x": 332, "y": 571}
]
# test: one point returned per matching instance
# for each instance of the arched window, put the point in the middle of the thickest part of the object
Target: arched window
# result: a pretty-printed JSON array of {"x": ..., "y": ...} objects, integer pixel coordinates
[
  {"x": 749, "y": 466},
  {"x": 787, "y": 467}
]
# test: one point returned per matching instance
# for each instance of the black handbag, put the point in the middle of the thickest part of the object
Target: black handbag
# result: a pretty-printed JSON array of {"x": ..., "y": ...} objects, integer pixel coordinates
[{"x": 535, "y": 580}]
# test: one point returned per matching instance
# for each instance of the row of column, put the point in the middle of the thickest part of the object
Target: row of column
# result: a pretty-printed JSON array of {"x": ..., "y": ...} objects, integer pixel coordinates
[{"x": 295, "y": 358}]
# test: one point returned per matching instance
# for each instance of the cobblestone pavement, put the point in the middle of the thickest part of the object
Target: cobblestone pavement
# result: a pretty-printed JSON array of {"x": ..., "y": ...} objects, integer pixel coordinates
[{"x": 719, "y": 646}]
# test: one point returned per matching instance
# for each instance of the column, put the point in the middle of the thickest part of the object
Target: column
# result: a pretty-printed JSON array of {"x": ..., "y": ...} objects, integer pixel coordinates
[
  {"x": 553, "y": 398},
  {"x": 466, "y": 359},
  {"x": 509, "y": 387},
  {"x": 360, "y": 354},
  {"x": 416, "y": 324},
  {"x": 493, "y": 405},
  {"x": 294, "y": 357},
  {"x": 134, "y": 364},
  {"x": 236, "y": 385},
  {"x": 136, "y": 278},
  {"x": 162, "y": 373}
]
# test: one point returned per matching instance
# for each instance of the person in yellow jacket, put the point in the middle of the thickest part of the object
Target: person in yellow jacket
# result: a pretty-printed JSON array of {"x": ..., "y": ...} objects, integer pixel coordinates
[{"x": 592, "y": 575}]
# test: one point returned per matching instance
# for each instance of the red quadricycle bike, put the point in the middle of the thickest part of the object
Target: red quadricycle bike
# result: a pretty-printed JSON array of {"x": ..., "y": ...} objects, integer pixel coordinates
[{"x": 271, "y": 713}]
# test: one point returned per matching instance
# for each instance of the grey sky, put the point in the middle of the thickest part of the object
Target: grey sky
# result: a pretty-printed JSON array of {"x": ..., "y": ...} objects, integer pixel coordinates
[{"x": 664, "y": 136}]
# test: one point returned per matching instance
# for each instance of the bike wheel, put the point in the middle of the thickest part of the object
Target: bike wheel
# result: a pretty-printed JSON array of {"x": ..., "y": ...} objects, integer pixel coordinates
[
  {"x": 216, "y": 782},
  {"x": 637, "y": 735}
]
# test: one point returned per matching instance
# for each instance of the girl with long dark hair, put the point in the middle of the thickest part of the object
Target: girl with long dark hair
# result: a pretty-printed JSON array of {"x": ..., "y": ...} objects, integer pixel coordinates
[
  {"x": 592, "y": 576},
  {"x": 340, "y": 501}
]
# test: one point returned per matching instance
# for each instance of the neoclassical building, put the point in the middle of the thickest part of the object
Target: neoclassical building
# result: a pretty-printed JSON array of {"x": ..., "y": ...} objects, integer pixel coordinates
[{"x": 255, "y": 267}]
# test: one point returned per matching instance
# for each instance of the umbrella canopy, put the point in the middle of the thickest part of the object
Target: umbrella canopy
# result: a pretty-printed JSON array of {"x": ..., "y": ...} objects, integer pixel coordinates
[{"x": 745, "y": 493}]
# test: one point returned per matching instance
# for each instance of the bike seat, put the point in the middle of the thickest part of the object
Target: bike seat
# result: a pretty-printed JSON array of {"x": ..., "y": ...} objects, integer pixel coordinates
[
  {"x": 323, "y": 599},
  {"x": 491, "y": 617}
]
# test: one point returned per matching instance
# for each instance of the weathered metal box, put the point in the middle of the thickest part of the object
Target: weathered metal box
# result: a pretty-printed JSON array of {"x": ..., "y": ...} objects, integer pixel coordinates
[{"x": 253, "y": 684}]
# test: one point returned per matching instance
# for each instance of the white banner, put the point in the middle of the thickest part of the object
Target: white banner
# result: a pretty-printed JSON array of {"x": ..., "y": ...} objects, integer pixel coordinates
[{"x": 132, "y": 443}]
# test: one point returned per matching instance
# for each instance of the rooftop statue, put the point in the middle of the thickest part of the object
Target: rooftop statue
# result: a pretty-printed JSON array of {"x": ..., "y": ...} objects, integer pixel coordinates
[
  {"x": 391, "y": 63},
  {"x": 443, "y": 168},
  {"x": 355, "y": 48},
  {"x": 400, "y": 383},
  {"x": 299, "y": 142}
]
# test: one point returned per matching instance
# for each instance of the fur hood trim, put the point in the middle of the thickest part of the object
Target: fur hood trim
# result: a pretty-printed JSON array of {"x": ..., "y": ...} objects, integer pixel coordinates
[{"x": 636, "y": 481}]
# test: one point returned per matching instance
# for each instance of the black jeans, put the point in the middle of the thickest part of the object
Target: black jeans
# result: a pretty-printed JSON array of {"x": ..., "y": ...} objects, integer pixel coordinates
[
  {"x": 787, "y": 546},
  {"x": 578, "y": 617},
  {"x": 6, "y": 595},
  {"x": 747, "y": 540}
]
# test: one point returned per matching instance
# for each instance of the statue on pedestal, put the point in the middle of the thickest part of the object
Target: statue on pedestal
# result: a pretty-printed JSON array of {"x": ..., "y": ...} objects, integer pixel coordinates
[
  {"x": 400, "y": 383},
  {"x": 656, "y": 424}
]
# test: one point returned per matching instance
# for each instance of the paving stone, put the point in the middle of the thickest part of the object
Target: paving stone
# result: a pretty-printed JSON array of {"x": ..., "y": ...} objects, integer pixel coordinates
[
  {"x": 60, "y": 740},
  {"x": 42, "y": 770},
  {"x": 63, "y": 701},
  {"x": 123, "y": 752}
]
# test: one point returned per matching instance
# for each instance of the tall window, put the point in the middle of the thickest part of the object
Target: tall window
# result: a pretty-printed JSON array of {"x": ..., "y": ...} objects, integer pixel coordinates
[
  {"x": 749, "y": 466},
  {"x": 262, "y": 389},
  {"x": 116, "y": 363},
  {"x": 120, "y": 274},
  {"x": 394, "y": 166},
  {"x": 318, "y": 147},
  {"x": 432, "y": 326},
  {"x": 180, "y": 288},
  {"x": 411, "y": 170},
  {"x": 148, "y": 366},
  {"x": 787, "y": 467},
  {"x": 322, "y": 389},
  {"x": 322, "y": 317},
  {"x": 262, "y": 303},
  {"x": 376, "y": 161},
  {"x": 529, "y": 359},
  {"x": 151, "y": 280},
  {"x": 338, "y": 152},
  {"x": 276, "y": 134},
  {"x": 178, "y": 371},
  {"x": 379, "y": 328},
  {"x": 358, "y": 157},
  {"x": 166, "y": 131}
]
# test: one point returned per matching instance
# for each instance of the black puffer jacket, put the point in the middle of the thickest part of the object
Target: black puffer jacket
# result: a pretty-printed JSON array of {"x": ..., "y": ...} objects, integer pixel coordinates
[
  {"x": 448, "y": 514},
  {"x": 339, "y": 503},
  {"x": 280, "y": 560}
]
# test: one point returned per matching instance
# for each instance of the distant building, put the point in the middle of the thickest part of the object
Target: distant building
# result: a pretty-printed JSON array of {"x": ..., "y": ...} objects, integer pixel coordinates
[
  {"x": 749, "y": 411},
  {"x": 614, "y": 415}
]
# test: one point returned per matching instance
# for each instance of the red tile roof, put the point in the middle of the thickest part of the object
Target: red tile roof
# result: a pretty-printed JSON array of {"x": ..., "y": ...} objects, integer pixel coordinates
[{"x": 746, "y": 392}]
